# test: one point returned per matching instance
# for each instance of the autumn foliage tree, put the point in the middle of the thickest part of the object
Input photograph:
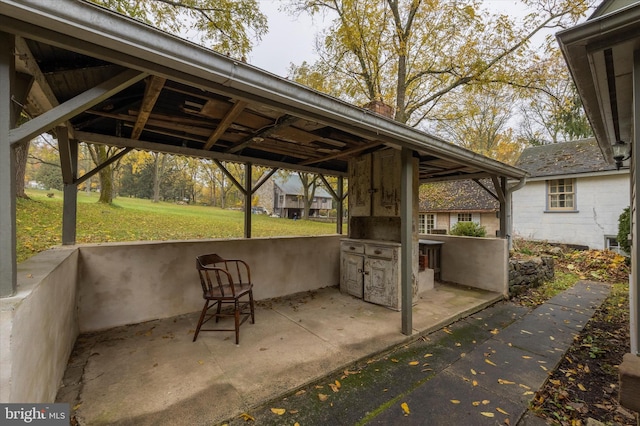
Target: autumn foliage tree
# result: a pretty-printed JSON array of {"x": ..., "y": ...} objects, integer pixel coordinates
[{"x": 416, "y": 54}]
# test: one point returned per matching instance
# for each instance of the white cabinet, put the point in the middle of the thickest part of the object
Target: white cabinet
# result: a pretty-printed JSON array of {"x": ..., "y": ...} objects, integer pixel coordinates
[
  {"x": 352, "y": 260},
  {"x": 371, "y": 271}
]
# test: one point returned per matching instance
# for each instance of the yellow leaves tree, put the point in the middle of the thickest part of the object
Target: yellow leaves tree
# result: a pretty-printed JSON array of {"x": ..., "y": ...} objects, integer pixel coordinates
[
  {"x": 228, "y": 26},
  {"x": 412, "y": 53},
  {"x": 477, "y": 118}
]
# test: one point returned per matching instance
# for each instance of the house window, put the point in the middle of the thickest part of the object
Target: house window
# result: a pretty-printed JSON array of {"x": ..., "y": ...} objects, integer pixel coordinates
[
  {"x": 561, "y": 194},
  {"x": 611, "y": 243},
  {"x": 465, "y": 217},
  {"x": 426, "y": 222}
]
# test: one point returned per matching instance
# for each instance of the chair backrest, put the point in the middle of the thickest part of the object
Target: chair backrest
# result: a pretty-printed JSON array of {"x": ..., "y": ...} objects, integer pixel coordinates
[{"x": 225, "y": 274}]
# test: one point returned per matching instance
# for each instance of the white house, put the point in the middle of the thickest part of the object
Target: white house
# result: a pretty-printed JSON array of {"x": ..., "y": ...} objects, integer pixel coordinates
[{"x": 572, "y": 195}]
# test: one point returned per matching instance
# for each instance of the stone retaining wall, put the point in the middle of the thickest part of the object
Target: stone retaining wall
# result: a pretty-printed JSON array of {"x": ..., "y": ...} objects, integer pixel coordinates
[{"x": 528, "y": 273}]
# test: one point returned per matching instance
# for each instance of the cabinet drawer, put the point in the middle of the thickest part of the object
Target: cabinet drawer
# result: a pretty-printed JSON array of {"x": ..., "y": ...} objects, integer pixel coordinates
[
  {"x": 351, "y": 247},
  {"x": 379, "y": 251}
]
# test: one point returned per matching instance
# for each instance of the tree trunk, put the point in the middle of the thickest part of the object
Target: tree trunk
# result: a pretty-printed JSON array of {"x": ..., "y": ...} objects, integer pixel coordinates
[
  {"x": 100, "y": 155},
  {"x": 21, "y": 154},
  {"x": 157, "y": 173}
]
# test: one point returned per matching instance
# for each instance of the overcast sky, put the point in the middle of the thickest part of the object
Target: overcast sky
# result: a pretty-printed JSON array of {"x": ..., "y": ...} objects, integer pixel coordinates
[{"x": 290, "y": 41}]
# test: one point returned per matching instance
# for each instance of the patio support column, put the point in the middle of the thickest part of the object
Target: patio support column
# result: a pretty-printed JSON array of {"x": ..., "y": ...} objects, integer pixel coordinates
[
  {"x": 634, "y": 286},
  {"x": 69, "y": 164},
  {"x": 504, "y": 231},
  {"x": 406, "y": 239},
  {"x": 8, "y": 274},
  {"x": 247, "y": 200},
  {"x": 339, "y": 205}
]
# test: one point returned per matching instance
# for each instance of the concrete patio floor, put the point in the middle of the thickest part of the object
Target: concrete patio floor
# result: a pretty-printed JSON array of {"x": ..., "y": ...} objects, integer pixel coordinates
[{"x": 152, "y": 373}]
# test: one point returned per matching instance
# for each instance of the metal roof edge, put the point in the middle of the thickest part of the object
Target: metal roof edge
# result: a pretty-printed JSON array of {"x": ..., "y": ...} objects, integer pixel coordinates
[{"x": 139, "y": 46}]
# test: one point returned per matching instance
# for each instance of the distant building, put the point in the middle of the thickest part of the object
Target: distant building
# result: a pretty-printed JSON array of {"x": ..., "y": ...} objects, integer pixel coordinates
[
  {"x": 443, "y": 204},
  {"x": 283, "y": 196},
  {"x": 572, "y": 195}
]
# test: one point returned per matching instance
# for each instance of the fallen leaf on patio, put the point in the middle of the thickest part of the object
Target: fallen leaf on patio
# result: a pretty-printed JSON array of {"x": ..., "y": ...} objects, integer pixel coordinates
[
  {"x": 301, "y": 392},
  {"x": 247, "y": 417},
  {"x": 485, "y": 401},
  {"x": 348, "y": 373},
  {"x": 507, "y": 422},
  {"x": 526, "y": 357},
  {"x": 394, "y": 360},
  {"x": 278, "y": 411},
  {"x": 319, "y": 386},
  {"x": 294, "y": 411},
  {"x": 458, "y": 344},
  {"x": 487, "y": 414},
  {"x": 427, "y": 355},
  {"x": 296, "y": 424},
  {"x": 414, "y": 363},
  {"x": 446, "y": 330},
  {"x": 338, "y": 384},
  {"x": 490, "y": 362},
  {"x": 455, "y": 401},
  {"x": 29, "y": 275},
  {"x": 552, "y": 338},
  {"x": 528, "y": 393},
  {"x": 525, "y": 331},
  {"x": 405, "y": 408},
  {"x": 75, "y": 407},
  {"x": 473, "y": 372},
  {"x": 495, "y": 331},
  {"x": 500, "y": 410},
  {"x": 505, "y": 382},
  {"x": 555, "y": 382},
  {"x": 200, "y": 362},
  {"x": 544, "y": 368},
  {"x": 476, "y": 403},
  {"x": 524, "y": 386},
  {"x": 474, "y": 383},
  {"x": 582, "y": 388},
  {"x": 322, "y": 397},
  {"x": 334, "y": 387}
]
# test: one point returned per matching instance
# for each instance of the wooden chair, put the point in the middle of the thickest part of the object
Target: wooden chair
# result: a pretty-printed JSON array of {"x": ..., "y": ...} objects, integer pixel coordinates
[{"x": 225, "y": 282}]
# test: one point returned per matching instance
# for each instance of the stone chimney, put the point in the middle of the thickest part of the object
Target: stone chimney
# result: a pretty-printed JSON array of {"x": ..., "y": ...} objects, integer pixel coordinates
[{"x": 380, "y": 107}]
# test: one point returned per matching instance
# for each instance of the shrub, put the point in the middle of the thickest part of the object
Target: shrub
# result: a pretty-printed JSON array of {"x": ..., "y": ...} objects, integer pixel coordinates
[
  {"x": 468, "y": 229},
  {"x": 624, "y": 229}
]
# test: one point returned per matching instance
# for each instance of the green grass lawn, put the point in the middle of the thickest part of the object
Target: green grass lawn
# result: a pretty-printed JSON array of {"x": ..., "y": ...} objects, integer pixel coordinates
[{"x": 39, "y": 222}]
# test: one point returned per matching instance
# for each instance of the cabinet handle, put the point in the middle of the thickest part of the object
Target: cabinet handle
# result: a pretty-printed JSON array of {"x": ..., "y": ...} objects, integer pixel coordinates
[
  {"x": 352, "y": 248},
  {"x": 377, "y": 252},
  {"x": 365, "y": 272}
]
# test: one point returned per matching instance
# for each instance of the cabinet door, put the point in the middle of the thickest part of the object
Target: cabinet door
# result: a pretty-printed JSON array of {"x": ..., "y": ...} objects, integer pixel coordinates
[
  {"x": 360, "y": 186},
  {"x": 380, "y": 284},
  {"x": 387, "y": 170},
  {"x": 352, "y": 268}
]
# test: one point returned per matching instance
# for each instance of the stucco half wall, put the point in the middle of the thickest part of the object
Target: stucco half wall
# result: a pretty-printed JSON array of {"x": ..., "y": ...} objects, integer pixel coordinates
[
  {"x": 38, "y": 327},
  {"x": 127, "y": 283},
  {"x": 476, "y": 262}
]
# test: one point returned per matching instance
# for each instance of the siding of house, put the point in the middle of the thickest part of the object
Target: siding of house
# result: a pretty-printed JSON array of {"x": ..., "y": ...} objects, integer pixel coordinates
[
  {"x": 489, "y": 220},
  {"x": 599, "y": 203}
]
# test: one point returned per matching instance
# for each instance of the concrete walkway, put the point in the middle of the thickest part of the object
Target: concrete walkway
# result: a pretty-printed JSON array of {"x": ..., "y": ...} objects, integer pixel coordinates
[
  {"x": 481, "y": 370},
  {"x": 153, "y": 374}
]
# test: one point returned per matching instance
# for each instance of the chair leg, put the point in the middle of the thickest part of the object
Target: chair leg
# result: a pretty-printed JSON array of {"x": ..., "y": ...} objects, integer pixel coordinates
[
  {"x": 218, "y": 311},
  {"x": 204, "y": 311},
  {"x": 253, "y": 318},
  {"x": 237, "y": 321}
]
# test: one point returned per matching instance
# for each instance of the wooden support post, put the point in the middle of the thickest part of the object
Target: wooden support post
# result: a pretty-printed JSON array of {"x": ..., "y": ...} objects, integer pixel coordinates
[
  {"x": 247, "y": 200},
  {"x": 8, "y": 271},
  {"x": 406, "y": 237}
]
